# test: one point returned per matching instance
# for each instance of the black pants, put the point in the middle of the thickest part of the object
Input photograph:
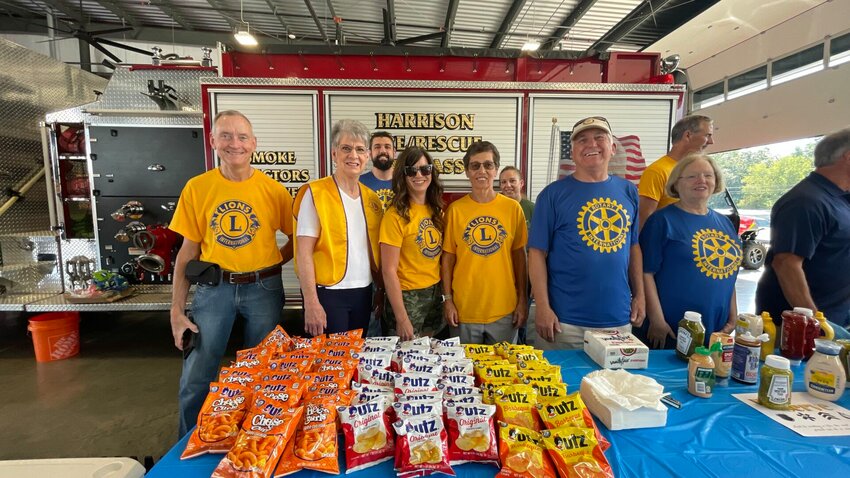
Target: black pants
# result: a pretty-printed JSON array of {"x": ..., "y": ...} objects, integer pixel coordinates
[{"x": 346, "y": 309}]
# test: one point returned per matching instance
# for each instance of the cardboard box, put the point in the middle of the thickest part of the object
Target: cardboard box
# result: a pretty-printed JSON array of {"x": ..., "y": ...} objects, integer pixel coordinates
[
  {"x": 618, "y": 418},
  {"x": 610, "y": 349}
]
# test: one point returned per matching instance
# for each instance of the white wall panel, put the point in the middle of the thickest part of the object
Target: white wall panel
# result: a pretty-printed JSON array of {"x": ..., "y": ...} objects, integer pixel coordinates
[
  {"x": 649, "y": 118},
  {"x": 496, "y": 119}
]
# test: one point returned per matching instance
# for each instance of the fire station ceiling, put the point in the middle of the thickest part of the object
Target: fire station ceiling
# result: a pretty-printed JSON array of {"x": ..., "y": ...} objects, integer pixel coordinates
[{"x": 588, "y": 26}]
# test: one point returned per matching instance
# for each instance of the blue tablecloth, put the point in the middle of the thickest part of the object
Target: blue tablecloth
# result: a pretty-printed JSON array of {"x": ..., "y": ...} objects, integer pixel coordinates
[{"x": 715, "y": 437}]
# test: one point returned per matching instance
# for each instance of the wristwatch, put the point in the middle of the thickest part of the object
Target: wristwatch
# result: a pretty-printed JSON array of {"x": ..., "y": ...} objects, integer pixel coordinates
[{"x": 446, "y": 297}]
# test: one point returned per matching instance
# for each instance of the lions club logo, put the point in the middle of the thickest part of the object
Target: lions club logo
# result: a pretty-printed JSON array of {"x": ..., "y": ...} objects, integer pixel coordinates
[
  {"x": 484, "y": 235},
  {"x": 234, "y": 224},
  {"x": 604, "y": 224},
  {"x": 429, "y": 239},
  {"x": 715, "y": 253}
]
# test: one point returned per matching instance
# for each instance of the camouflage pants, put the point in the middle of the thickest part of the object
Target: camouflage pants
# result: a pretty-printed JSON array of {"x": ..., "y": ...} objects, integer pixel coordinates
[{"x": 424, "y": 308}]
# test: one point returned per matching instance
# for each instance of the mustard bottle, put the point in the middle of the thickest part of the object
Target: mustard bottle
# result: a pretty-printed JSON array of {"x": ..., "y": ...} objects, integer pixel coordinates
[
  {"x": 701, "y": 376},
  {"x": 828, "y": 333},
  {"x": 769, "y": 346}
]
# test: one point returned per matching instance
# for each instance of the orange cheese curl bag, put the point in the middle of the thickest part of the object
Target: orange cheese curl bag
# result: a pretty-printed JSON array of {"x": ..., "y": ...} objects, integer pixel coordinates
[
  {"x": 472, "y": 437},
  {"x": 254, "y": 359},
  {"x": 219, "y": 419},
  {"x": 569, "y": 411},
  {"x": 265, "y": 432},
  {"x": 277, "y": 340},
  {"x": 576, "y": 453},
  {"x": 422, "y": 446},
  {"x": 368, "y": 434},
  {"x": 240, "y": 376},
  {"x": 315, "y": 445},
  {"x": 287, "y": 391},
  {"x": 522, "y": 454},
  {"x": 515, "y": 405}
]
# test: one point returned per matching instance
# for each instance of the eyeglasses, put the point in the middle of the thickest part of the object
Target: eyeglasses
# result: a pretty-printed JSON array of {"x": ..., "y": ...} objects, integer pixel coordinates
[
  {"x": 694, "y": 177},
  {"x": 488, "y": 165},
  {"x": 360, "y": 150},
  {"x": 425, "y": 170},
  {"x": 600, "y": 118}
]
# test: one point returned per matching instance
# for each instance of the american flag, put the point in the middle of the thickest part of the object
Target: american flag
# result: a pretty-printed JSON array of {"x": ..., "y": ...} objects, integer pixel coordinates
[{"x": 627, "y": 162}]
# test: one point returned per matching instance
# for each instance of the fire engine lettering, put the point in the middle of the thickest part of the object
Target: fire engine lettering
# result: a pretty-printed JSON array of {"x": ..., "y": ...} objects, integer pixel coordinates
[
  {"x": 451, "y": 121},
  {"x": 273, "y": 157}
]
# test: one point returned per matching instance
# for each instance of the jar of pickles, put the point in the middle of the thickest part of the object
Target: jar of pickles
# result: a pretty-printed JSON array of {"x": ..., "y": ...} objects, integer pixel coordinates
[
  {"x": 775, "y": 383},
  {"x": 690, "y": 336}
]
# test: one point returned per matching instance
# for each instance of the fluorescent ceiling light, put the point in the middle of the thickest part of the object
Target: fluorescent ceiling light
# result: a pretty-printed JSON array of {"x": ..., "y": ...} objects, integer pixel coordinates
[
  {"x": 245, "y": 38},
  {"x": 531, "y": 45}
]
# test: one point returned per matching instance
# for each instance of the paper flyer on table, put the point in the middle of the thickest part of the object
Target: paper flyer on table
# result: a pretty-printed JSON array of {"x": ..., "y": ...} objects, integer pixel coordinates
[{"x": 808, "y": 416}]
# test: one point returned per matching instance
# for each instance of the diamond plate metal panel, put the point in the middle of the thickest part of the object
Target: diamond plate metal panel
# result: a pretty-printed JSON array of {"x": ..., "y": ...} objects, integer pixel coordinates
[
  {"x": 124, "y": 93},
  {"x": 461, "y": 85},
  {"x": 31, "y": 85},
  {"x": 147, "y": 297}
]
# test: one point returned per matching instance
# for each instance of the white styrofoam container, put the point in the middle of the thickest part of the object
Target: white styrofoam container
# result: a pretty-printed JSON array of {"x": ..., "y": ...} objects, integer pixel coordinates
[
  {"x": 610, "y": 349},
  {"x": 72, "y": 468},
  {"x": 618, "y": 418}
]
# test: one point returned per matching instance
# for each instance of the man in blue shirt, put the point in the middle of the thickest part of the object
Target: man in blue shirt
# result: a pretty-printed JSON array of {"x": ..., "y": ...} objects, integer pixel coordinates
[
  {"x": 808, "y": 264},
  {"x": 584, "y": 258},
  {"x": 380, "y": 178}
]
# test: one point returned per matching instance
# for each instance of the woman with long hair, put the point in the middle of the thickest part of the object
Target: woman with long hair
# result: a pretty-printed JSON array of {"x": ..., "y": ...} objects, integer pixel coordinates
[{"x": 411, "y": 244}]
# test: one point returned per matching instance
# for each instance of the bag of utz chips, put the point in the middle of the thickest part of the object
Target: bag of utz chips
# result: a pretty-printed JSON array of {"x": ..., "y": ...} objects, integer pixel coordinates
[
  {"x": 423, "y": 445},
  {"x": 522, "y": 454},
  {"x": 264, "y": 434},
  {"x": 471, "y": 434},
  {"x": 368, "y": 436},
  {"x": 576, "y": 453}
]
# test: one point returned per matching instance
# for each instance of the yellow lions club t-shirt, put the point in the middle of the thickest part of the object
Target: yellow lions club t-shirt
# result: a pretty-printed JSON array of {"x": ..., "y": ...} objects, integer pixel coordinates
[
  {"x": 235, "y": 222},
  {"x": 482, "y": 236},
  {"x": 653, "y": 180},
  {"x": 420, "y": 242}
]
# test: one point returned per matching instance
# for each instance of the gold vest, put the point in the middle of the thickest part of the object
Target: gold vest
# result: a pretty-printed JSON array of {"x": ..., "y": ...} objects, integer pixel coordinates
[{"x": 330, "y": 257}]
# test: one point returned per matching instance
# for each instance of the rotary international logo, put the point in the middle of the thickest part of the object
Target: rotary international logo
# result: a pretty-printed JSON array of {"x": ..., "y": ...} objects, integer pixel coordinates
[
  {"x": 234, "y": 224},
  {"x": 484, "y": 235},
  {"x": 716, "y": 254},
  {"x": 604, "y": 224},
  {"x": 428, "y": 239}
]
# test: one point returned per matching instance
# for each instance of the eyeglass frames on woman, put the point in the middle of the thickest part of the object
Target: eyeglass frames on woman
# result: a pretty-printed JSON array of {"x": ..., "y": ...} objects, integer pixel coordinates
[{"x": 425, "y": 170}]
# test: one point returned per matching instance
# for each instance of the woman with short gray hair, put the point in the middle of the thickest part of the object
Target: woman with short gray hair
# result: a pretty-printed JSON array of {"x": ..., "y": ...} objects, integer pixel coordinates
[{"x": 688, "y": 247}]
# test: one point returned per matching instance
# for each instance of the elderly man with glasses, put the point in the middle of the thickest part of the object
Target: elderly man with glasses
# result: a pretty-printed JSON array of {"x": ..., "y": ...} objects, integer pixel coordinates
[
  {"x": 337, "y": 229},
  {"x": 484, "y": 265},
  {"x": 584, "y": 257}
]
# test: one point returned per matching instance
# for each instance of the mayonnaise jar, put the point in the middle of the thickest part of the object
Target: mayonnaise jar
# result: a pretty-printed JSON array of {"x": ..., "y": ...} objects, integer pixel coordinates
[{"x": 825, "y": 377}]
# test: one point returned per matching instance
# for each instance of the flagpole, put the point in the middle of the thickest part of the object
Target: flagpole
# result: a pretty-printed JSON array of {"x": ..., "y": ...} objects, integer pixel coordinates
[{"x": 554, "y": 152}]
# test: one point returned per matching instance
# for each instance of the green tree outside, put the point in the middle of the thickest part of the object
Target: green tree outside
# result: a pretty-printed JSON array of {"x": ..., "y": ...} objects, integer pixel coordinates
[
  {"x": 756, "y": 177},
  {"x": 766, "y": 182}
]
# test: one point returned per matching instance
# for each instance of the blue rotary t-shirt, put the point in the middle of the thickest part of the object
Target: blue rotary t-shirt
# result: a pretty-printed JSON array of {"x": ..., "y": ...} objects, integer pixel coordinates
[
  {"x": 587, "y": 230},
  {"x": 695, "y": 260}
]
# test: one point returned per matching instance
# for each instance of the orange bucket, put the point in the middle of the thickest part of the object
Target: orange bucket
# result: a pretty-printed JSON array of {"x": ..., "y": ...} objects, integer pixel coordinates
[{"x": 55, "y": 335}]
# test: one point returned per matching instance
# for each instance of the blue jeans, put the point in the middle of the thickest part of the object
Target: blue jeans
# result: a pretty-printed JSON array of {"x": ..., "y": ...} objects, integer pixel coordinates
[{"x": 214, "y": 310}]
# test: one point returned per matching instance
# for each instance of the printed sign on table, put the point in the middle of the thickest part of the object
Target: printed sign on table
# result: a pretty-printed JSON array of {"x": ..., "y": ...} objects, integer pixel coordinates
[{"x": 808, "y": 416}]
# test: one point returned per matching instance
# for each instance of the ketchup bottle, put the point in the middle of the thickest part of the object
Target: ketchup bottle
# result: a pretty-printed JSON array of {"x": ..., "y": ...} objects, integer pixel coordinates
[
  {"x": 812, "y": 331},
  {"x": 794, "y": 333}
]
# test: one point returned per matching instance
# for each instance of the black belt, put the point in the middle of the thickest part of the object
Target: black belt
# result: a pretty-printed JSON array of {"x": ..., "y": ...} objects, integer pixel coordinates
[{"x": 249, "y": 277}]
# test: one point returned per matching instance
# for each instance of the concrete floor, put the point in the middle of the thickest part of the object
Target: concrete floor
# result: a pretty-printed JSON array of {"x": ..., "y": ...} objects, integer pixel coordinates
[{"x": 119, "y": 396}]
